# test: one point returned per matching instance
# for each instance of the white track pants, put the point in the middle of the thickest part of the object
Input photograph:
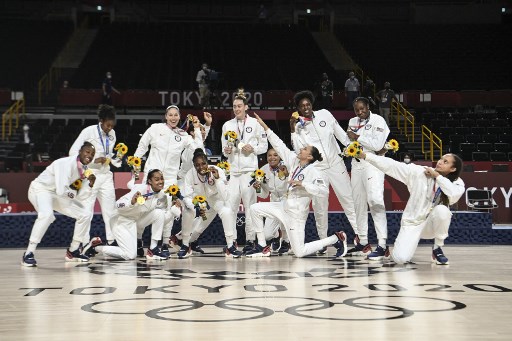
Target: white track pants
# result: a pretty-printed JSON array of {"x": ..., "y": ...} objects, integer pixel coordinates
[
  {"x": 337, "y": 176},
  {"x": 435, "y": 226},
  {"x": 125, "y": 233},
  {"x": 45, "y": 202},
  {"x": 368, "y": 191},
  {"x": 295, "y": 228},
  {"x": 104, "y": 191},
  {"x": 199, "y": 225},
  {"x": 239, "y": 188}
]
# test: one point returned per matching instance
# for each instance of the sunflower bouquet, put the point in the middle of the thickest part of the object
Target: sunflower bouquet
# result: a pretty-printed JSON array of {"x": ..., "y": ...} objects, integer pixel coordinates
[
  {"x": 231, "y": 137},
  {"x": 121, "y": 150},
  {"x": 392, "y": 145},
  {"x": 174, "y": 192},
  {"x": 354, "y": 149},
  {"x": 258, "y": 177},
  {"x": 225, "y": 166},
  {"x": 200, "y": 203},
  {"x": 134, "y": 162},
  {"x": 76, "y": 185}
]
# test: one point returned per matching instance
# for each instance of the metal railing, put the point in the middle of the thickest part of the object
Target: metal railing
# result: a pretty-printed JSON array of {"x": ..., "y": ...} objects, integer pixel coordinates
[
  {"x": 405, "y": 121},
  {"x": 46, "y": 83},
  {"x": 434, "y": 141},
  {"x": 8, "y": 116}
]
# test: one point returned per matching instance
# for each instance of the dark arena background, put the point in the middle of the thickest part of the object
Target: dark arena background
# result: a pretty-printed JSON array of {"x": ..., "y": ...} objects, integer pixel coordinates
[{"x": 448, "y": 63}]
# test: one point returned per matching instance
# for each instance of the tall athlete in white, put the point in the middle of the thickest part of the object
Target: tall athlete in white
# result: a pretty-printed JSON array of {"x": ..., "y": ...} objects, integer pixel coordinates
[
  {"x": 427, "y": 214},
  {"x": 305, "y": 182},
  {"x": 320, "y": 129},
  {"x": 167, "y": 142},
  {"x": 243, "y": 158},
  {"x": 51, "y": 191},
  {"x": 103, "y": 138},
  {"x": 371, "y": 131}
]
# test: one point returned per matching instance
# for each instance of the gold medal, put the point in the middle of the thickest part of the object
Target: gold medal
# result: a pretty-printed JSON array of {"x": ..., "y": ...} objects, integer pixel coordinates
[
  {"x": 241, "y": 145},
  {"x": 87, "y": 173},
  {"x": 141, "y": 200},
  {"x": 107, "y": 161}
]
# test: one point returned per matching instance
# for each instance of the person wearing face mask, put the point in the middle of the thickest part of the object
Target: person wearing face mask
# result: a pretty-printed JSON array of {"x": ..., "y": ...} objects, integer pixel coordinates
[
  {"x": 326, "y": 92},
  {"x": 407, "y": 159},
  {"x": 321, "y": 130},
  {"x": 203, "y": 81},
  {"x": 385, "y": 98},
  {"x": 352, "y": 88},
  {"x": 108, "y": 88},
  {"x": 62, "y": 187},
  {"x": 243, "y": 158},
  {"x": 103, "y": 138},
  {"x": 371, "y": 131},
  {"x": 167, "y": 143}
]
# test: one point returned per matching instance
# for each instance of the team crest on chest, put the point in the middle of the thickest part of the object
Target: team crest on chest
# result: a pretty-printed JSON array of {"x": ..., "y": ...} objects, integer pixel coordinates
[
  {"x": 248, "y": 129},
  {"x": 111, "y": 138},
  {"x": 322, "y": 124},
  {"x": 300, "y": 177},
  {"x": 177, "y": 138},
  {"x": 368, "y": 127}
]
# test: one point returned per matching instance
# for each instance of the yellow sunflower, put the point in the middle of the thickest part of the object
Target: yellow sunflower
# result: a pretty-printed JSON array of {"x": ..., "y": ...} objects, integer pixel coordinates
[
  {"x": 124, "y": 149},
  {"x": 351, "y": 151},
  {"x": 227, "y": 165},
  {"x": 259, "y": 173},
  {"x": 392, "y": 145},
  {"x": 136, "y": 161},
  {"x": 76, "y": 185},
  {"x": 172, "y": 190},
  {"x": 198, "y": 199}
]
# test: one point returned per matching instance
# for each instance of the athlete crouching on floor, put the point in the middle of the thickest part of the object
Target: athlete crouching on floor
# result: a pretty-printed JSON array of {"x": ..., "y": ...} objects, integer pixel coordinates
[
  {"x": 427, "y": 214},
  {"x": 305, "y": 183},
  {"x": 142, "y": 206}
]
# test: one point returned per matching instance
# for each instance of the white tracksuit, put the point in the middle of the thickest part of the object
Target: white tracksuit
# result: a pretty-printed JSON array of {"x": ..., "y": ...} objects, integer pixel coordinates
[
  {"x": 367, "y": 181},
  {"x": 49, "y": 192},
  {"x": 277, "y": 189},
  {"x": 293, "y": 211},
  {"x": 242, "y": 165},
  {"x": 130, "y": 217},
  {"x": 216, "y": 193},
  {"x": 322, "y": 133},
  {"x": 188, "y": 154},
  {"x": 422, "y": 219},
  {"x": 103, "y": 189},
  {"x": 167, "y": 146}
]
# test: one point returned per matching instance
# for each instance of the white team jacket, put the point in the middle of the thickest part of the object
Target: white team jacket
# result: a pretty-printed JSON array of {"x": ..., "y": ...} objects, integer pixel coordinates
[
  {"x": 90, "y": 134},
  {"x": 372, "y": 132},
  {"x": 297, "y": 199},
  {"x": 59, "y": 175},
  {"x": 249, "y": 133},
  {"x": 213, "y": 191},
  {"x": 136, "y": 211},
  {"x": 188, "y": 154},
  {"x": 420, "y": 187},
  {"x": 321, "y": 132},
  {"x": 274, "y": 186},
  {"x": 166, "y": 148}
]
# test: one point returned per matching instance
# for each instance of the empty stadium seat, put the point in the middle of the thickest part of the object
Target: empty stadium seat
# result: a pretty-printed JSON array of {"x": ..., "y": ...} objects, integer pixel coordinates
[
  {"x": 498, "y": 156},
  {"x": 480, "y": 156}
]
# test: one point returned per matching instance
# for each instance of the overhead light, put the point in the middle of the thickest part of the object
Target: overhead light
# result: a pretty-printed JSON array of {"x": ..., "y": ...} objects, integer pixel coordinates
[
  {"x": 308, "y": 11},
  {"x": 99, "y": 8}
]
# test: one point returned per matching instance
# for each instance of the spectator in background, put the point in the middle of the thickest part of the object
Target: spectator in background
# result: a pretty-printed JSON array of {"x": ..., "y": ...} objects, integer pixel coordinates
[
  {"x": 384, "y": 98},
  {"x": 326, "y": 92},
  {"x": 352, "y": 87},
  {"x": 407, "y": 159},
  {"x": 262, "y": 14},
  {"x": 369, "y": 92},
  {"x": 203, "y": 81},
  {"x": 107, "y": 88}
]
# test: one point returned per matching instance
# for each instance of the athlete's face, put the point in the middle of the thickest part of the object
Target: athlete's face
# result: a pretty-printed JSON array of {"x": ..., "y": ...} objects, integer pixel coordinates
[
  {"x": 107, "y": 125},
  {"x": 172, "y": 117},
  {"x": 272, "y": 158},
  {"x": 361, "y": 110},
  {"x": 305, "y": 108},
  {"x": 201, "y": 165},
  {"x": 239, "y": 109},
  {"x": 86, "y": 154},
  {"x": 305, "y": 154},
  {"x": 156, "y": 182},
  {"x": 446, "y": 165}
]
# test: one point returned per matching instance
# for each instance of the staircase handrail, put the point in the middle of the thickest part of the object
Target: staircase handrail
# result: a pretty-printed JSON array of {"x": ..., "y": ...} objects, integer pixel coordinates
[
  {"x": 408, "y": 119},
  {"x": 427, "y": 133},
  {"x": 8, "y": 115}
]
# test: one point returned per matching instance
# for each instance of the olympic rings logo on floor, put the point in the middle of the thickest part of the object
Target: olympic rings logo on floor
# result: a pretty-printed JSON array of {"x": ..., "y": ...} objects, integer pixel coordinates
[{"x": 388, "y": 307}]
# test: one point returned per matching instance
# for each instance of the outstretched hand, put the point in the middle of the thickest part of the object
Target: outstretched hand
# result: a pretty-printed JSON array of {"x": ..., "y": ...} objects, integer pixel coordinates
[{"x": 260, "y": 121}]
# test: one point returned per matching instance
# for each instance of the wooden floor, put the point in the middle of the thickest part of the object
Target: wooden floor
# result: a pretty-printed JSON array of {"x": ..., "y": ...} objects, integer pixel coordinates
[{"x": 211, "y": 297}]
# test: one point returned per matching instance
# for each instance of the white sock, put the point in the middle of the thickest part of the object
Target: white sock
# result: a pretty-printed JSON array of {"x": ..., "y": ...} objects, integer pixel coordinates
[
  {"x": 31, "y": 247},
  {"x": 74, "y": 246},
  {"x": 153, "y": 244},
  {"x": 382, "y": 243},
  {"x": 363, "y": 241}
]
